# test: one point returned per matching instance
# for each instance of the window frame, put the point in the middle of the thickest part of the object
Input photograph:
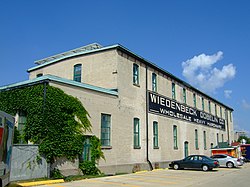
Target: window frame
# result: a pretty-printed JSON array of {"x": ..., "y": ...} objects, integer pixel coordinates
[
  {"x": 173, "y": 91},
  {"x": 76, "y": 75},
  {"x": 205, "y": 139},
  {"x": 108, "y": 128},
  {"x": 154, "y": 82},
  {"x": 175, "y": 137},
  {"x": 194, "y": 100},
  {"x": 184, "y": 95},
  {"x": 203, "y": 103},
  {"x": 196, "y": 139},
  {"x": 155, "y": 135},
  {"x": 137, "y": 133},
  {"x": 136, "y": 74}
]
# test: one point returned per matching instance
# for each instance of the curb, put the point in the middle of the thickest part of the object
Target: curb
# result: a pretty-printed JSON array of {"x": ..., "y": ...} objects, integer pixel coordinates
[{"x": 40, "y": 182}]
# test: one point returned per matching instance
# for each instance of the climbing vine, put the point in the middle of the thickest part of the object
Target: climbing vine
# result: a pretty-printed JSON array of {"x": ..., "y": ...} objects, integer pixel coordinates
[{"x": 56, "y": 121}]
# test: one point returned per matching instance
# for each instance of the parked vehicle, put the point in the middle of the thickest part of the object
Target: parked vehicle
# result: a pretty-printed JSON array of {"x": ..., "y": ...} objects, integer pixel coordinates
[
  {"x": 6, "y": 141},
  {"x": 195, "y": 162},
  {"x": 227, "y": 160}
]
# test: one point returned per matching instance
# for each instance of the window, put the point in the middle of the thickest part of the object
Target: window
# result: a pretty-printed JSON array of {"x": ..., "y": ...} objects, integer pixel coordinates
[
  {"x": 175, "y": 137},
  {"x": 184, "y": 95},
  {"x": 136, "y": 74},
  {"x": 77, "y": 72},
  {"x": 209, "y": 106},
  {"x": 205, "y": 139},
  {"x": 215, "y": 109},
  {"x": 155, "y": 136},
  {"x": 21, "y": 125},
  {"x": 211, "y": 145},
  {"x": 203, "y": 104},
  {"x": 194, "y": 99},
  {"x": 154, "y": 82},
  {"x": 196, "y": 139},
  {"x": 230, "y": 115},
  {"x": 105, "y": 129},
  {"x": 220, "y": 112},
  {"x": 222, "y": 138},
  {"x": 217, "y": 138},
  {"x": 39, "y": 75},
  {"x": 173, "y": 91},
  {"x": 136, "y": 133},
  {"x": 86, "y": 155}
]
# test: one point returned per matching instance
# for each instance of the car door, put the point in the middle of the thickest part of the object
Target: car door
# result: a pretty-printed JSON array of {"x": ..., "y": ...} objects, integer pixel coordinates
[
  {"x": 222, "y": 160},
  {"x": 187, "y": 162}
]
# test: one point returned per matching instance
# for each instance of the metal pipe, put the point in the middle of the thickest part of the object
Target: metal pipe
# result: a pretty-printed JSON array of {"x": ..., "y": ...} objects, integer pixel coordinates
[{"x": 147, "y": 146}]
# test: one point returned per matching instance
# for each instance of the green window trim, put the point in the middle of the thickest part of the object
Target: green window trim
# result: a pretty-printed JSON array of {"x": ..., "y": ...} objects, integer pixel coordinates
[
  {"x": 194, "y": 99},
  {"x": 77, "y": 72},
  {"x": 196, "y": 140},
  {"x": 137, "y": 133},
  {"x": 184, "y": 96},
  {"x": 203, "y": 103},
  {"x": 136, "y": 74},
  {"x": 105, "y": 129},
  {"x": 205, "y": 139},
  {"x": 175, "y": 138},
  {"x": 217, "y": 138},
  {"x": 209, "y": 106},
  {"x": 173, "y": 91},
  {"x": 154, "y": 82},
  {"x": 215, "y": 109},
  {"x": 220, "y": 111},
  {"x": 155, "y": 135}
]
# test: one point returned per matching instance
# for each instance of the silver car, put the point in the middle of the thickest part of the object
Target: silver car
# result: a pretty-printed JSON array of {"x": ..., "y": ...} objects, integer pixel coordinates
[{"x": 227, "y": 160}]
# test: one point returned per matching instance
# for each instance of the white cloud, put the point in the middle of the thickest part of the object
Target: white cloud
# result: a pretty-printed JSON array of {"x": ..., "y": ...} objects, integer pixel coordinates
[
  {"x": 227, "y": 93},
  {"x": 200, "y": 72},
  {"x": 245, "y": 104}
]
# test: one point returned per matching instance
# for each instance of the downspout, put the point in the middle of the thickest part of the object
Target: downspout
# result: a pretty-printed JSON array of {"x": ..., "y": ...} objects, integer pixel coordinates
[
  {"x": 228, "y": 137},
  {"x": 147, "y": 146}
]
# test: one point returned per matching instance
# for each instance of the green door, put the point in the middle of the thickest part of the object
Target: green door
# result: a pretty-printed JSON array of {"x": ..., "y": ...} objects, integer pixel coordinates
[{"x": 186, "y": 149}]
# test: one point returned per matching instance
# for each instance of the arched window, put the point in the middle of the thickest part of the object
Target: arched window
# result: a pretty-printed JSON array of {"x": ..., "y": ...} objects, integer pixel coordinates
[{"x": 77, "y": 72}]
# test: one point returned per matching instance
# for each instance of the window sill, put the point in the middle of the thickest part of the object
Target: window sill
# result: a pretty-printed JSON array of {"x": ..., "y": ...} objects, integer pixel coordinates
[
  {"x": 156, "y": 147},
  {"x": 175, "y": 148},
  {"x": 106, "y": 147},
  {"x": 137, "y": 147},
  {"x": 137, "y": 85}
]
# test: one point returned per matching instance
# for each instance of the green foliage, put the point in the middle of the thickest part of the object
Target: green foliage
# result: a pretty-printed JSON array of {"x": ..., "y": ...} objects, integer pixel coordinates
[
  {"x": 56, "y": 174},
  {"x": 244, "y": 137},
  {"x": 96, "y": 152},
  {"x": 17, "y": 135},
  {"x": 56, "y": 122},
  {"x": 89, "y": 168}
]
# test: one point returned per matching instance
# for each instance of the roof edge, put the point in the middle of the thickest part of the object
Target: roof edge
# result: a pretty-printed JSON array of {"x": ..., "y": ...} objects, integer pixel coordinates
[{"x": 47, "y": 78}]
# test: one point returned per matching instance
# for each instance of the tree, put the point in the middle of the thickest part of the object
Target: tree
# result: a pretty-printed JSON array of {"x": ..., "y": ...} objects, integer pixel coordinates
[
  {"x": 56, "y": 121},
  {"x": 244, "y": 137}
]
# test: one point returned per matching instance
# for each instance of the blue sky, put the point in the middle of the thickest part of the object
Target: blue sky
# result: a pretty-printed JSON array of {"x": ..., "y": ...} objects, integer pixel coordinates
[{"x": 203, "y": 42}]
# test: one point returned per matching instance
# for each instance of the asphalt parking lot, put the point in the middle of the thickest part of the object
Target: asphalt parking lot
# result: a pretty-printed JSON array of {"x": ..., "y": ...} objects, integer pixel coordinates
[{"x": 168, "y": 177}]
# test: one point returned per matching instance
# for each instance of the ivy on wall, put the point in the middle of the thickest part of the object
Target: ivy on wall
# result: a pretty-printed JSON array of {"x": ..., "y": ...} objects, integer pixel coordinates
[{"x": 56, "y": 121}]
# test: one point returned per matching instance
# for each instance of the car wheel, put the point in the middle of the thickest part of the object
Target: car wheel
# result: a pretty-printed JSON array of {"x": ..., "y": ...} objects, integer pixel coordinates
[
  {"x": 176, "y": 166},
  {"x": 230, "y": 165},
  {"x": 205, "y": 168}
]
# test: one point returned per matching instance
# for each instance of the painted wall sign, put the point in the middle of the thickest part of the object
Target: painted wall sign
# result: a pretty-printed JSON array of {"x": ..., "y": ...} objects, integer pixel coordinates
[{"x": 161, "y": 105}]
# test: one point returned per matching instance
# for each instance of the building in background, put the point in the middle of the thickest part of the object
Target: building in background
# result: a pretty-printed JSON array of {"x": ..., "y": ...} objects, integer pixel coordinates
[
  {"x": 144, "y": 116},
  {"x": 238, "y": 134}
]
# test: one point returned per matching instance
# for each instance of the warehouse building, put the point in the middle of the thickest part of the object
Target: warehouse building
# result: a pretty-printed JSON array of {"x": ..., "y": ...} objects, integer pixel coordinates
[{"x": 144, "y": 116}]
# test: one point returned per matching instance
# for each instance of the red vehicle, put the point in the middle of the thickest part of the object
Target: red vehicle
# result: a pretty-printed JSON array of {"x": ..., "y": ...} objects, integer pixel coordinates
[{"x": 6, "y": 142}]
